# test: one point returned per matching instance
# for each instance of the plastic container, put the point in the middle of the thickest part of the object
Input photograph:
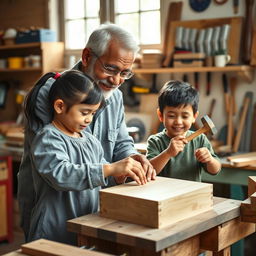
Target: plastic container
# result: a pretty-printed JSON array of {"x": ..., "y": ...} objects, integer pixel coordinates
[{"x": 15, "y": 62}]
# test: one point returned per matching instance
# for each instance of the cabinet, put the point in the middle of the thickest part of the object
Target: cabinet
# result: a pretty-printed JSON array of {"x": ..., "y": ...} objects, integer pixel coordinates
[
  {"x": 6, "y": 199},
  {"x": 51, "y": 59}
]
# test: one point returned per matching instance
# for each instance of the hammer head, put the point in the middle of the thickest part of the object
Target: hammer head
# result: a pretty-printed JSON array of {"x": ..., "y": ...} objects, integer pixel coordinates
[{"x": 207, "y": 122}]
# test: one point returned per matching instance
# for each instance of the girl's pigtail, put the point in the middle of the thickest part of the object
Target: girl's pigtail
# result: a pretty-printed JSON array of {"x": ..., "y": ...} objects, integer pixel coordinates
[{"x": 33, "y": 121}]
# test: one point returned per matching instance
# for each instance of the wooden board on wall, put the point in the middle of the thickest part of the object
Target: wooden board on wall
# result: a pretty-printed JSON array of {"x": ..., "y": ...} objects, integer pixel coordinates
[
  {"x": 158, "y": 203},
  {"x": 234, "y": 41},
  {"x": 253, "y": 50},
  {"x": 23, "y": 13},
  {"x": 3, "y": 211}
]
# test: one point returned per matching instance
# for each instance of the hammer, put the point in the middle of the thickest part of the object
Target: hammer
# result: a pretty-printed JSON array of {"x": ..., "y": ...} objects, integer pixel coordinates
[{"x": 208, "y": 126}]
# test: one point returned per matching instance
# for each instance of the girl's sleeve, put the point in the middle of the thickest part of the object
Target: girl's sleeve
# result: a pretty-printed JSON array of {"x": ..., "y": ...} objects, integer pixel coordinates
[{"x": 50, "y": 155}]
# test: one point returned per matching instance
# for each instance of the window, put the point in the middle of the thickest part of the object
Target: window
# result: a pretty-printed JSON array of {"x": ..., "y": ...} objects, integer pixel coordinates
[
  {"x": 81, "y": 17},
  {"x": 137, "y": 16}
]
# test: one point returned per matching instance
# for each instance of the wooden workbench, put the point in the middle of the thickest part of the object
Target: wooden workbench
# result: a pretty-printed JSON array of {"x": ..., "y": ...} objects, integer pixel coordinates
[
  {"x": 230, "y": 174},
  {"x": 214, "y": 230}
]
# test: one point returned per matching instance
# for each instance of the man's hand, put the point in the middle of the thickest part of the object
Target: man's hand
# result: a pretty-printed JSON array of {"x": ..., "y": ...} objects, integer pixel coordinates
[
  {"x": 146, "y": 165},
  {"x": 127, "y": 167}
]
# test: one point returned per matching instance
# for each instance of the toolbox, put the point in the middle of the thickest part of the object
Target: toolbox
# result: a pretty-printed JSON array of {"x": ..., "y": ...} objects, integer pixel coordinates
[
  {"x": 188, "y": 60},
  {"x": 39, "y": 35}
]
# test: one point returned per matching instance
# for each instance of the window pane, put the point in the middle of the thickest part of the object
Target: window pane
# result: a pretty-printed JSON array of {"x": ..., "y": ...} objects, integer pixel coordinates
[
  {"x": 130, "y": 23},
  {"x": 77, "y": 28},
  {"x": 122, "y": 6},
  {"x": 150, "y": 28},
  {"x": 149, "y": 4},
  {"x": 74, "y": 11},
  {"x": 92, "y": 8},
  {"x": 91, "y": 24}
]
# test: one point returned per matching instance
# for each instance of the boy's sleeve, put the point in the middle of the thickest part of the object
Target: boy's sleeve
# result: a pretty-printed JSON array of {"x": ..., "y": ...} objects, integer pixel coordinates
[{"x": 152, "y": 147}]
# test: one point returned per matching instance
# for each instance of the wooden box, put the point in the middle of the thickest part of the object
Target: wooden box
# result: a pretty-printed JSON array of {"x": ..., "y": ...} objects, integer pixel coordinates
[
  {"x": 157, "y": 204},
  {"x": 188, "y": 60}
]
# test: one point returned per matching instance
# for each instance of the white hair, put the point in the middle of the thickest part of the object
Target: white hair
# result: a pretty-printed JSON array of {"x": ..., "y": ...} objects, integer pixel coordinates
[{"x": 100, "y": 38}]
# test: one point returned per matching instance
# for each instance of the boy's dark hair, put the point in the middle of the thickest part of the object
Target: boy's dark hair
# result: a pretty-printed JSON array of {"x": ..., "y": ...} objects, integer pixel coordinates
[
  {"x": 176, "y": 93},
  {"x": 73, "y": 87}
]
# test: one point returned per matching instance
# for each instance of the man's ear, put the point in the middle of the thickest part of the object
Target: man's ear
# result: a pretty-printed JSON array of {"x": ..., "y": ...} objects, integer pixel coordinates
[
  {"x": 59, "y": 106},
  {"x": 86, "y": 56},
  {"x": 160, "y": 115}
]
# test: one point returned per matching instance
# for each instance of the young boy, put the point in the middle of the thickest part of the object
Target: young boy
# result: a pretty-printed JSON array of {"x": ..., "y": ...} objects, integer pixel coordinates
[{"x": 168, "y": 151}]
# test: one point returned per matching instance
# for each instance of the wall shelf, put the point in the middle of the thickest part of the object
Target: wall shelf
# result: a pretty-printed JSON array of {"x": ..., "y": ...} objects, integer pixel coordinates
[
  {"x": 246, "y": 72},
  {"x": 20, "y": 69}
]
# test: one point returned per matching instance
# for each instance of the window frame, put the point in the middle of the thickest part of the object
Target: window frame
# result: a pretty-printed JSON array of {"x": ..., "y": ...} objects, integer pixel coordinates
[{"x": 107, "y": 14}]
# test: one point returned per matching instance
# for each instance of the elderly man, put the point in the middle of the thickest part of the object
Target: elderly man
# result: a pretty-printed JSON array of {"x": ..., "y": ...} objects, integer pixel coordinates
[{"x": 107, "y": 58}]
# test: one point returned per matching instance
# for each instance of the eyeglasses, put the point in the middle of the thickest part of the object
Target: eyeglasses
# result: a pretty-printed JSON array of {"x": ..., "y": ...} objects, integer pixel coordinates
[{"x": 110, "y": 71}]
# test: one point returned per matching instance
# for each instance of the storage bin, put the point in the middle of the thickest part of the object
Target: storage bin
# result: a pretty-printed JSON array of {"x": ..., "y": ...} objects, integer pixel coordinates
[
  {"x": 41, "y": 35},
  {"x": 188, "y": 60}
]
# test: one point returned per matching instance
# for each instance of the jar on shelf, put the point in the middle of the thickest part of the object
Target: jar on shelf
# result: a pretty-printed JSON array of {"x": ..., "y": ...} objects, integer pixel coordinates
[
  {"x": 15, "y": 62},
  {"x": 35, "y": 61}
]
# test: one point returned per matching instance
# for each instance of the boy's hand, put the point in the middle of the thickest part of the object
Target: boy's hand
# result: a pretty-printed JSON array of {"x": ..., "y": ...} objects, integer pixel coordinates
[
  {"x": 176, "y": 145},
  {"x": 203, "y": 155}
]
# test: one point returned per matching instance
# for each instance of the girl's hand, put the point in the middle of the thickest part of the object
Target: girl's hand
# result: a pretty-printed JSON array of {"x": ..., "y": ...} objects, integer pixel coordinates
[
  {"x": 203, "y": 155},
  {"x": 176, "y": 145},
  {"x": 126, "y": 167}
]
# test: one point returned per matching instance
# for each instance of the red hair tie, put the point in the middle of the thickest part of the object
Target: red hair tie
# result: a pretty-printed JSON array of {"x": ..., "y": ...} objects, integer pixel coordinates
[{"x": 57, "y": 75}]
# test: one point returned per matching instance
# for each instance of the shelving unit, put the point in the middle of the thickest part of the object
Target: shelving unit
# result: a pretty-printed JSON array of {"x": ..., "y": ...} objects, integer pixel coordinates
[
  {"x": 246, "y": 72},
  {"x": 52, "y": 59},
  {"x": 6, "y": 199}
]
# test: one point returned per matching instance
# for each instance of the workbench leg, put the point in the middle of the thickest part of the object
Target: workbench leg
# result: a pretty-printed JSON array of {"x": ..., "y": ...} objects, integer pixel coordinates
[{"x": 237, "y": 192}]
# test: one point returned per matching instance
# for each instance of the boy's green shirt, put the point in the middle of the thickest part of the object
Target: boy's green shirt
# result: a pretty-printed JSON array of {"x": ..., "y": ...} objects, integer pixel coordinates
[{"x": 184, "y": 165}]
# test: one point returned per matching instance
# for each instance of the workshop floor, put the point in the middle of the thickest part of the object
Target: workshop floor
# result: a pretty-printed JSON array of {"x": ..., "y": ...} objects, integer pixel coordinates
[{"x": 18, "y": 240}]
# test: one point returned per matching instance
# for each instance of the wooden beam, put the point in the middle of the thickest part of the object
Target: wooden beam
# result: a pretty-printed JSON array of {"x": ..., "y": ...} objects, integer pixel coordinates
[
  {"x": 251, "y": 185},
  {"x": 45, "y": 247},
  {"x": 222, "y": 236}
]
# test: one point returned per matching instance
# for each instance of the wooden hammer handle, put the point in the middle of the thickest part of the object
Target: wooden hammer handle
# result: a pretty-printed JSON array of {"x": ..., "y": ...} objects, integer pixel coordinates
[{"x": 197, "y": 133}]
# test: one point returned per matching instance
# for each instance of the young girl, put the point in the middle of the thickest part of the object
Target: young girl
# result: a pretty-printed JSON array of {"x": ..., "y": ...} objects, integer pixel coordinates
[{"x": 68, "y": 165}]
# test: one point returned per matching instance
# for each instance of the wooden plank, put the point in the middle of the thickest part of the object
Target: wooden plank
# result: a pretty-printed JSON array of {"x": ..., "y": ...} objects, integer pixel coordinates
[
  {"x": 248, "y": 212},
  {"x": 221, "y": 237},
  {"x": 157, "y": 204},
  {"x": 241, "y": 124},
  {"x": 174, "y": 14},
  {"x": 243, "y": 161},
  {"x": 253, "y": 200},
  {"x": 3, "y": 210},
  {"x": 157, "y": 239},
  {"x": 15, "y": 253},
  {"x": 251, "y": 185},
  {"x": 237, "y": 156},
  {"x": 43, "y": 247}
]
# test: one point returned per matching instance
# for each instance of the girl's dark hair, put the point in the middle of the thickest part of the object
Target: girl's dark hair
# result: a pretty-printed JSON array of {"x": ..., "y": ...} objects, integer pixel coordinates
[
  {"x": 73, "y": 87},
  {"x": 176, "y": 93}
]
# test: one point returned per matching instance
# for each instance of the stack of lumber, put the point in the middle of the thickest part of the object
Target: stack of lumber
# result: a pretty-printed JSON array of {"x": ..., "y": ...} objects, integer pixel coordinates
[
  {"x": 243, "y": 160},
  {"x": 151, "y": 59}
]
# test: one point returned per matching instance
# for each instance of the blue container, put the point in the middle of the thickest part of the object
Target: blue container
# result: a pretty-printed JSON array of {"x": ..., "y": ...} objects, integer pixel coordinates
[{"x": 32, "y": 36}]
